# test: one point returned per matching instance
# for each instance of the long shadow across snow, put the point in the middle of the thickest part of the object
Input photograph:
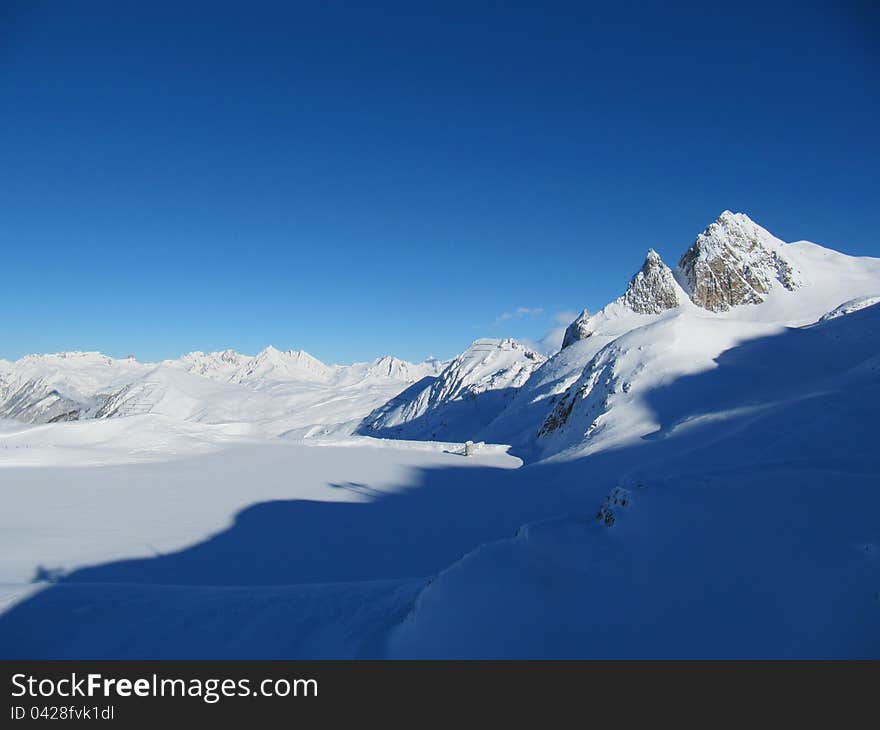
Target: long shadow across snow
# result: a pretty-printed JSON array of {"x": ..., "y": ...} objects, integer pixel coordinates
[
  {"x": 274, "y": 563},
  {"x": 805, "y": 396},
  {"x": 412, "y": 533},
  {"x": 289, "y": 578}
]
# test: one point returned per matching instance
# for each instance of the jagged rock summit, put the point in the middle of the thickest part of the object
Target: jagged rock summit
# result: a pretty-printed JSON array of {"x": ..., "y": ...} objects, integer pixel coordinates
[
  {"x": 653, "y": 289},
  {"x": 734, "y": 261},
  {"x": 578, "y": 330}
]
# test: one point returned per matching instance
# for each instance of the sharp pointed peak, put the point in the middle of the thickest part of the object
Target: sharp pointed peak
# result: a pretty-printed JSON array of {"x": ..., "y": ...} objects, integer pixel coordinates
[
  {"x": 734, "y": 261},
  {"x": 579, "y": 329},
  {"x": 729, "y": 217},
  {"x": 652, "y": 257},
  {"x": 652, "y": 289}
]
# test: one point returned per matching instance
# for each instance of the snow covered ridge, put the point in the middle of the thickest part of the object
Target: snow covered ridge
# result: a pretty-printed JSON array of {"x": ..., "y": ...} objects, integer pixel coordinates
[
  {"x": 737, "y": 266},
  {"x": 737, "y": 282},
  {"x": 741, "y": 283},
  {"x": 717, "y": 466},
  {"x": 72, "y": 386},
  {"x": 465, "y": 396},
  {"x": 853, "y": 305},
  {"x": 731, "y": 263},
  {"x": 276, "y": 365},
  {"x": 733, "y": 478},
  {"x": 652, "y": 290}
]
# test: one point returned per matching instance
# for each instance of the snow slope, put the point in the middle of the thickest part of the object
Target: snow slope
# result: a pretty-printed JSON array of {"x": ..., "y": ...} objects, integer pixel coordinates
[
  {"x": 466, "y": 395},
  {"x": 246, "y": 549},
  {"x": 745, "y": 527},
  {"x": 702, "y": 482},
  {"x": 64, "y": 386},
  {"x": 591, "y": 394},
  {"x": 274, "y": 391}
]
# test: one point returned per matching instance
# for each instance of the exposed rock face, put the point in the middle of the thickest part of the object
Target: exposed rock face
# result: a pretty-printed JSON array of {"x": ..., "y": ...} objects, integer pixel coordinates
[
  {"x": 37, "y": 401},
  {"x": 590, "y": 394},
  {"x": 734, "y": 261},
  {"x": 578, "y": 330},
  {"x": 653, "y": 289}
]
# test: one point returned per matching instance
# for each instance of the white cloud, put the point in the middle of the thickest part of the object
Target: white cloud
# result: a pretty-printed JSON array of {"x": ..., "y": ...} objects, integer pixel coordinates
[
  {"x": 518, "y": 313},
  {"x": 551, "y": 342},
  {"x": 566, "y": 317}
]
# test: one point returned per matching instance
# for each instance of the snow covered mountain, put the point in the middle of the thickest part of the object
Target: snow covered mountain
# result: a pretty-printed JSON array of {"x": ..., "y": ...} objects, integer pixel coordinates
[
  {"x": 271, "y": 365},
  {"x": 62, "y": 387},
  {"x": 392, "y": 367},
  {"x": 274, "y": 365},
  {"x": 215, "y": 365},
  {"x": 735, "y": 261},
  {"x": 735, "y": 282},
  {"x": 284, "y": 386},
  {"x": 466, "y": 395},
  {"x": 37, "y": 400},
  {"x": 700, "y": 482},
  {"x": 739, "y": 283},
  {"x": 723, "y": 534},
  {"x": 652, "y": 290}
]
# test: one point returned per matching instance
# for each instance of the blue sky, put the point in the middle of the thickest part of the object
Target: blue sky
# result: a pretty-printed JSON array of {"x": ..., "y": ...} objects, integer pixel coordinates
[{"x": 406, "y": 177}]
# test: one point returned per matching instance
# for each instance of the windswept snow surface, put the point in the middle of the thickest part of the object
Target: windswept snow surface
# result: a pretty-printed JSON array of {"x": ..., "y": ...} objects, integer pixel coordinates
[
  {"x": 744, "y": 526},
  {"x": 853, "y": 305},
  {"x": 699, "y": 478},
  {"x": 271, "y": 549}
]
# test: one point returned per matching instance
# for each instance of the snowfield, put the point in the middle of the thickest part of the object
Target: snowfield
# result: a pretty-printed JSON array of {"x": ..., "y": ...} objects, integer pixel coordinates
[
  {"x": 306, "y": 519},
  {"x": 745, "y": 524},
  {"x": 695, "y": 474}
]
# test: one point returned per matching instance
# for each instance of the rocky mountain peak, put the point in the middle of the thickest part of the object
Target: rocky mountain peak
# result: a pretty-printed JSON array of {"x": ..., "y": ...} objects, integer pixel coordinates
[
  {"x": 230, "y": 356},
  {"x": 578, "y": 330},
  {"x": 734, "y": 261},
  {"x": 653, "y": 289}
]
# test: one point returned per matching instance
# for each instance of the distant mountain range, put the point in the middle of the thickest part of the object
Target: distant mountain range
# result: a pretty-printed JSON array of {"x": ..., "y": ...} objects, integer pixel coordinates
[
  {"x": 696, "y": 478},
  {"x": 735, "y": 282},
  {"x": 70, "y": 386}
]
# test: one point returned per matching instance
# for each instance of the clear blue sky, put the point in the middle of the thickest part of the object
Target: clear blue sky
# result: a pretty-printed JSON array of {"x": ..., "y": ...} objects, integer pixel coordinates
[{"x": 406, "y": 177}]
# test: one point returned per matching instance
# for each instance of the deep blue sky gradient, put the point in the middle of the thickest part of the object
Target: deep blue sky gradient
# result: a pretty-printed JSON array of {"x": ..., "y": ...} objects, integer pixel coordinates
[{"x": 356, "y": 178}]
